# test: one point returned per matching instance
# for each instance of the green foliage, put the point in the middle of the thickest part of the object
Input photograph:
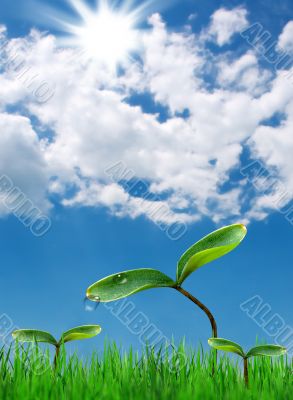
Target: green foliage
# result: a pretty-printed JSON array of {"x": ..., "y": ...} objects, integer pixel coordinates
[
  {"x": 123, "y": 284},
  {"x": 226, "y": 345},
  {"x": 263, "y": 350},
  {"x": 33, "y": 335},
  {"x": 270, "y": 350},
  {"x": 211, "y": 247},
  {"x": 80, "y": 333},
  {"x": 118, "y": 375}
]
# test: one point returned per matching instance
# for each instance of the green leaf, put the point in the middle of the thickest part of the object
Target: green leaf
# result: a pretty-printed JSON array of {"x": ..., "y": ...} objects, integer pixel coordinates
[
  {"x": 80, "y": 333},
  {"x": 226, "y": 345},
  {"x": 33, "y": 335},
  {"x": 267, "y": 350},
  {"x": 124, "y": 284},
  {"x": 211, "y": 247}
]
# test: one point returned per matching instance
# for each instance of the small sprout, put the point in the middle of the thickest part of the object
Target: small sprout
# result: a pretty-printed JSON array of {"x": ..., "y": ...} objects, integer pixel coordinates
[
  {"x": 211, "y": 247},
  {"x": 269, "y": 350},
  {"x": 78, "y": 333}
]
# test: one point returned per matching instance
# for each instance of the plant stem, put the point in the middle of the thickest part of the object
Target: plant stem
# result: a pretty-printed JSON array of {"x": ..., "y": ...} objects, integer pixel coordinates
[
  {"x": 245, "y": 364},
  {"x": 207, "y": 312},
  {"x": 202, "y": 307},
  {"x": 56, "y": 355}
]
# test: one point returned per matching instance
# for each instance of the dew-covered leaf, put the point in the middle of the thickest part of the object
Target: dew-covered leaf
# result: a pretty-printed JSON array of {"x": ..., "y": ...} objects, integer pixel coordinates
[{"x": 124, "y": 284}]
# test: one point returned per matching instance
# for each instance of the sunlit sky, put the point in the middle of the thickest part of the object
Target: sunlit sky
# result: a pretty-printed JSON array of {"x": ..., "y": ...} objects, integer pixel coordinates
[{"x": 175, "y": 94}]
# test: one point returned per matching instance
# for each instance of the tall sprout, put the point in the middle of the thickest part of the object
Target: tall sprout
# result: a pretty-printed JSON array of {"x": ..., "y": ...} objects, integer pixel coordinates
[{"x": 209, "y": 248}]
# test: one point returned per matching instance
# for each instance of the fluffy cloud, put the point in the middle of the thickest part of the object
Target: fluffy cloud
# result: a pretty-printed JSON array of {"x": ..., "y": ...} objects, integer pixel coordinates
[
  {"x": 184, "y": 161},
  {"x": 244, "y": 74},
  {"x": 22, "y": 161},
  {"x": 170, "y": 62},
  {"x": 225, "y": 23},
  {"x": 274, "y": 145},
  {"x": 285, "y": 41}
]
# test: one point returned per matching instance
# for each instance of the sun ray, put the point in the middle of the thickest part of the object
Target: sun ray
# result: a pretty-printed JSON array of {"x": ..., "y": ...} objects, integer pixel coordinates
[
  {"x": 82, "y": 9},
  {"x": 108, "y": 32}
]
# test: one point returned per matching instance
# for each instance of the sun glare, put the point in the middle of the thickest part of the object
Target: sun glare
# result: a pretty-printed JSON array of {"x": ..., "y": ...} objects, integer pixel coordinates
[{"x": 106, "y": 33}]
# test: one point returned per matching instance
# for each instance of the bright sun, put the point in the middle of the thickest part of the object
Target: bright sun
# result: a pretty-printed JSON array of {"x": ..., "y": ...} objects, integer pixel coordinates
[{"x": 107, "y": 34}]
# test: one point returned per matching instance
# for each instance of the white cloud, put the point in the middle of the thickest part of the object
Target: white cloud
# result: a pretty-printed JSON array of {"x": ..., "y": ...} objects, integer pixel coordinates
[
  {"x": 170, "y": 64},
  {"x": 22, "y": 160},
  {"x": 187, "y": 161},
  {"x": 243, "y": 73},
  {"x": 274, "y": 145},
  {"x": 285, "y": 41},
  {"x": 226, "y": 23},
  {"x": 97, "y": 194}
]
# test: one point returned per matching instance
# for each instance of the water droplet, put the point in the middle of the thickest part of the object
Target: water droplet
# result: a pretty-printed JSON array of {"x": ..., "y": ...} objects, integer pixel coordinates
[
  {"x": 90, "y": 305},
  {"x": 120, "y": 279}
]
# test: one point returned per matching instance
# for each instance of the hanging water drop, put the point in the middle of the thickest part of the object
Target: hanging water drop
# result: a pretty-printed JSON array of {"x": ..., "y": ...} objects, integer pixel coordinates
[{"x": 90, "y": 305}]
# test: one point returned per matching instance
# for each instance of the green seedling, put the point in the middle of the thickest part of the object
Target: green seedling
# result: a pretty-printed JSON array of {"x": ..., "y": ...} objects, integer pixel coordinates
[
  {"x": 268, "y": 350},
  {"x": 211, "y": 247},
  {"x": 35, "y": 336}
]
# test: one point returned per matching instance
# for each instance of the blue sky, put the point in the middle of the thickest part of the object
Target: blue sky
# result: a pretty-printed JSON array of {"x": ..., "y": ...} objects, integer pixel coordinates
[{"x": 198, "y": 116}]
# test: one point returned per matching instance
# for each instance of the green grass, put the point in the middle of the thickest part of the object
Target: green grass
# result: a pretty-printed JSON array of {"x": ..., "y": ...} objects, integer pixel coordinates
[{"x": 27, "y": 375}]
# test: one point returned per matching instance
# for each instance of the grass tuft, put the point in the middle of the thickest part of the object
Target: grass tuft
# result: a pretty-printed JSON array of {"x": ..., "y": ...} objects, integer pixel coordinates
[{"x": 27, "y": 373}]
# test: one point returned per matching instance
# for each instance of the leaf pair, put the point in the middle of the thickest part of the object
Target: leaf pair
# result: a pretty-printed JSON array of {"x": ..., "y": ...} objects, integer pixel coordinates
[
  {"x": 78, "y": 333},
  {"x": 232, "y": 347},
  {"x": 211, "y": 247}
]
